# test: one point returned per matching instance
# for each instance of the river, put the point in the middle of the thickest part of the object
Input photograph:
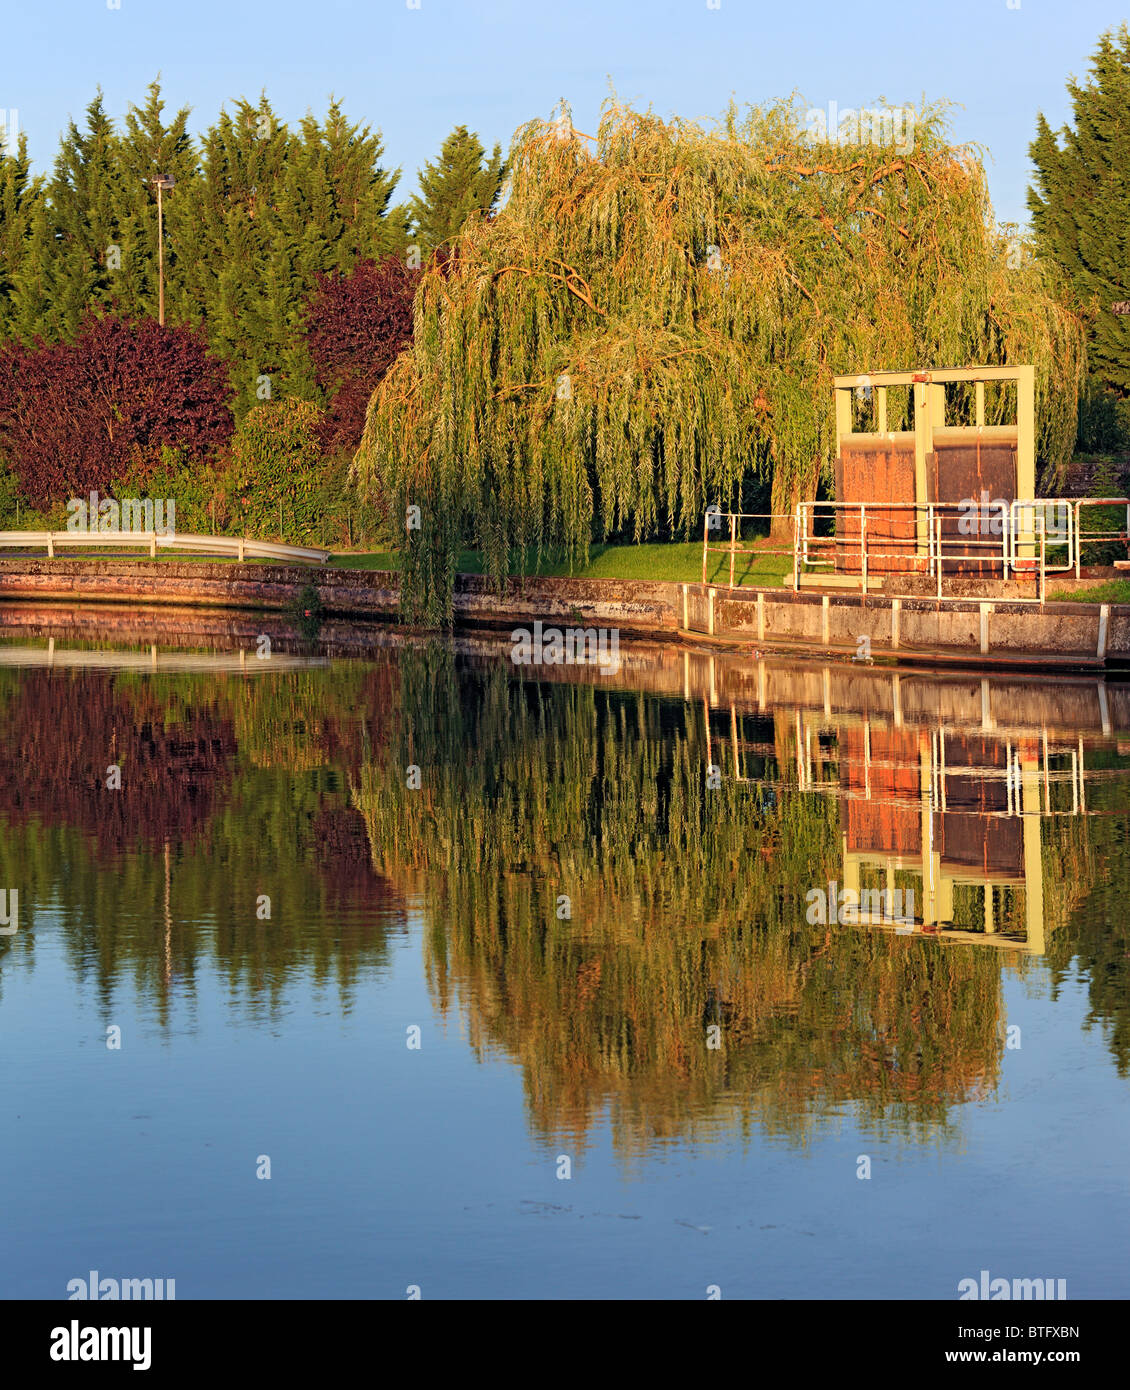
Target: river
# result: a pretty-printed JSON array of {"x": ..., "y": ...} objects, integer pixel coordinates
[{"x": 385, "y": 968}]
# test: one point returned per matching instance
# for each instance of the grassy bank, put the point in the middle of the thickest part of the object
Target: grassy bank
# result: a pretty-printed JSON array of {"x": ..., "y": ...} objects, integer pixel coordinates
[
  {"x": 1113, "y": 591},
  {"x": 670, "y": 561}
]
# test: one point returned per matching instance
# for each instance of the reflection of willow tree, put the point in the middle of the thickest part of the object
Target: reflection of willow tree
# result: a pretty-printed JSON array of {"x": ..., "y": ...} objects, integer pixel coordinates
[
  {"x": 1087, "y": 867},
  {"x": 687, "y": 910},
  {"x": 242, "y": 793}
]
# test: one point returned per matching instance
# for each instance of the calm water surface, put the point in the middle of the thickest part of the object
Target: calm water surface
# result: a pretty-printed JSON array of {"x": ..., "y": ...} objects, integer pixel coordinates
[{"x": 644, "y": 1066}]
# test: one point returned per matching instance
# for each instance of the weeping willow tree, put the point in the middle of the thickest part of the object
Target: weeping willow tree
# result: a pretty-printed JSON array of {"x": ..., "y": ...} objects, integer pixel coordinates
[{"x": 655, "y": 317}]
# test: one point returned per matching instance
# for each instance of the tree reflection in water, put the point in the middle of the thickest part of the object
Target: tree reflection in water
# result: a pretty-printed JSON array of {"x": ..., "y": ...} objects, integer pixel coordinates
[{"x": 594, "y": 909}]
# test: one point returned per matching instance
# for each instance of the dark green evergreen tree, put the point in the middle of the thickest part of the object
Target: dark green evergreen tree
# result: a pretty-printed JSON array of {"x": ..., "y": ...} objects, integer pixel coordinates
[
  {"x": 91, "y": 240},
  {"x": 461, "y": 182},
  {"x": 87, "y": 205},
  {"x": 147, "y": 149},
  {"x": 21, "y": 205},
  {"x": 1080, "y": 204},
  {"x": 270, "y": 210},
  {"x": 257, "y": 212},
  {"x": 33, "y": 278}
]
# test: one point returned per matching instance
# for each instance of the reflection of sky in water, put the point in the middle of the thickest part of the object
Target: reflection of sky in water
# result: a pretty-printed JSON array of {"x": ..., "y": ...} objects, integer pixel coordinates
[{"x": 394, "y": 1167}]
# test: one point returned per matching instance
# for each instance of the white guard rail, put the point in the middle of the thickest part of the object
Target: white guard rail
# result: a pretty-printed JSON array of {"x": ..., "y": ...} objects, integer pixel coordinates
[{"x": 240, "y": 547}]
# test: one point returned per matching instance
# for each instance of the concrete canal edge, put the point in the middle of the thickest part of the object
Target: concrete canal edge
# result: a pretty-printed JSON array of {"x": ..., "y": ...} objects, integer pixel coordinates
[{"x": 976, "y": 632}]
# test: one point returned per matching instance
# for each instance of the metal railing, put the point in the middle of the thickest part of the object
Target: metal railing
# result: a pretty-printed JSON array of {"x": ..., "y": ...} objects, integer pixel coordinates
[
  {"x": 1102, "y": 536},
  {"x": 916, "y": 538},
  {"x": 1057, "y": 523},
  {"x": 239, "y": 547},
  {"x": 1025, "y": 539},
  {"x": 764, "y": 546}
]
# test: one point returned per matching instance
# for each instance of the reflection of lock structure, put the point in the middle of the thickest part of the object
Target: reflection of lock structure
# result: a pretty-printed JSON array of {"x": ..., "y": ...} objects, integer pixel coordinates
[{"x": 9, "y": 912}]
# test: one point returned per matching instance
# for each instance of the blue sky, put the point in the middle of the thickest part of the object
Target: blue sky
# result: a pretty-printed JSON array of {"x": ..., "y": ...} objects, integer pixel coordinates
[{"x": 493, "y": 64}]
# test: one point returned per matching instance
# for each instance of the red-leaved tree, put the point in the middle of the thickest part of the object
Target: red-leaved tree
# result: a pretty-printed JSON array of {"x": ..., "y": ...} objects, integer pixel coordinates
[
  {"x": 78, "y": 415},
  {"x": 356, "y": 324}
]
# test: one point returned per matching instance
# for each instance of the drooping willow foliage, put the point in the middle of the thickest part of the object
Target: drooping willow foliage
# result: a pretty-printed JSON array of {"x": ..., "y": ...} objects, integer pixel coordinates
[{"x": 656, "y": 314}]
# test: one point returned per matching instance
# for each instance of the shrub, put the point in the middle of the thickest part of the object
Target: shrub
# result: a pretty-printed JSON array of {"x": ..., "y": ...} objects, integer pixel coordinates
[
  {"x": 357, "y": 324},
  {"x": 76, "y": 415},
  {"x": 195, "y": 488},
  {"x": 1104, "y": 423},
  {"x": 278, "y": 483},
  {"x": 9, "y": 496}
]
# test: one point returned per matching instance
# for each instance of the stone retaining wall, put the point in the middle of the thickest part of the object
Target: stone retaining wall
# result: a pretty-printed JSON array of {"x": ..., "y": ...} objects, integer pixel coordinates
[
  {"x": 978, "y": 632},
  {"x": 1063, "y": 634}
]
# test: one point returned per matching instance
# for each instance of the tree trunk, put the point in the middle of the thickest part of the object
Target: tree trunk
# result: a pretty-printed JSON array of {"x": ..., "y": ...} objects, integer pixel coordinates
[{"x": 785, "y": 494}]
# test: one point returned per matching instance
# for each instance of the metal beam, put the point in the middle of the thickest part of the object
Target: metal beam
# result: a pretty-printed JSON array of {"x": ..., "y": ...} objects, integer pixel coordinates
[{"x": 933, "y": 375}]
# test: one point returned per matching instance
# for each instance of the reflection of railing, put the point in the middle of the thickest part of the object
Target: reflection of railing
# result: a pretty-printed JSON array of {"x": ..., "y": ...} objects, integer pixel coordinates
[
  {"x": 1013, "y": 774},
  {"x": 1020, "y": 776},
  {"x": 166, "y": 661},
  {"x": 241, "y": 547}
]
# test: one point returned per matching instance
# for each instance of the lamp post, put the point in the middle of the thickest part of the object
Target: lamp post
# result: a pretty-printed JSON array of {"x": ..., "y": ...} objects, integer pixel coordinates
[{"x": 161, "y": 181}]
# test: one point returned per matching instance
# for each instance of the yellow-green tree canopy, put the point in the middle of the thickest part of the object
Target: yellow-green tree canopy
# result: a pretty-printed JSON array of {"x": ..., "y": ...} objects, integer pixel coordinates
[{"x": 656, "y": 314}]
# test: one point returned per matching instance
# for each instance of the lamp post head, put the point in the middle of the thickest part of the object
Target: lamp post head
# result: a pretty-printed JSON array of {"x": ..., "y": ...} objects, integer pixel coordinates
[{"x": 164, "y": 181}]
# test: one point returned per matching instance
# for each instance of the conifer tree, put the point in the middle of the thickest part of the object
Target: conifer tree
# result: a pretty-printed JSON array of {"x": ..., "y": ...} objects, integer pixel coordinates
[
  {"x": 257, "y": 213},
  {"x": 270, "y": 211},
  {"x": 33, "y": 278},
  {"x": 149, "y": 148},
  {"x": 1080, "y": 203},
  {"x": 458, "y": 184},
  {"x": 21, "y": 204},
  {"x": 222, "y": 228},
  {"x": 346, "y": 192},
  {"x": 85, "y": 227}
]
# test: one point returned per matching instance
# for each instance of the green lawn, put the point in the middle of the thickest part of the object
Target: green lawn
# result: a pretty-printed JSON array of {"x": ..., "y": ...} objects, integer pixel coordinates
[
  {"x": 671, "y": 561},
  {"x": 1113, "y": 591}
]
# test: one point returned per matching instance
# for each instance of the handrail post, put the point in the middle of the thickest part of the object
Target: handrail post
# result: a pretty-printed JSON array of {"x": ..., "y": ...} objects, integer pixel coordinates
[
  {"x": 733, "y": 543},
  {"x": 705, "y": 535},
  {"x": 863, "y": 546},
  {"x": 1006, "y": 536},
  {"x": 938, "y": 551},
  {"x": 1043, "y": 558},
  {"x": 1070, "y": 540},
  {"x": 796, "y": 547}
]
